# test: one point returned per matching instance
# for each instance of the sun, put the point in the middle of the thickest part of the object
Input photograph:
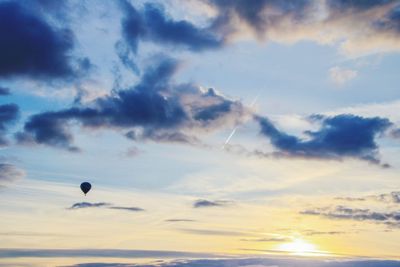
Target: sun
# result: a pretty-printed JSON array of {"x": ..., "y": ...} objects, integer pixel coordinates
[{"x": 299, "y": 247}]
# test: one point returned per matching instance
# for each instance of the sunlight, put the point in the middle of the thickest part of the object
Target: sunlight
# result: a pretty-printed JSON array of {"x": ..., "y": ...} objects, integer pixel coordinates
[{"x": 299, "y": 247}]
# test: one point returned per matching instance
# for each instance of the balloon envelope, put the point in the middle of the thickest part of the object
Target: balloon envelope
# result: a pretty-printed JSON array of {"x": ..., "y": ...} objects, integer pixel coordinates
[{"x": 85, "y": 187}]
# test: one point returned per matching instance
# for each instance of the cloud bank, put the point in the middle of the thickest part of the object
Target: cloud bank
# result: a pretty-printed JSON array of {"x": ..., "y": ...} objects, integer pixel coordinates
[{"x": 253, "y": 262}]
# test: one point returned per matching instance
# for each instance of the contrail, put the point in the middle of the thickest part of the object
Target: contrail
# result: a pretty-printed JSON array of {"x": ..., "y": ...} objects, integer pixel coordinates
[{"x": 234, "y": 129}]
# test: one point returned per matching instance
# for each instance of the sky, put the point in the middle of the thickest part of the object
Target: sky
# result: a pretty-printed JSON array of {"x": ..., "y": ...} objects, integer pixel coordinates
[{"x": 213, "y": 133}]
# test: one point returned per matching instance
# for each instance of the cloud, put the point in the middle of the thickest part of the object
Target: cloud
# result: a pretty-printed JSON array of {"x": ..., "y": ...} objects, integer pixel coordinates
[
  {"x": 340, "y": 136},
  {"x": 4, "y": 91},
  {"x": 359, "y": 214},
  {"x": 103, "y": 253},
  {"x": 357, "y": 27},
  {"x": 152, "y": 24},
  {"x": 313, "y": 232},
  {"x": 155, "y": 109},
  {"x": 256, "y": 262},
  {"x": 395, "y": 133},
  {"x": 8, "y": 114},
  {"x": 392, "y": 197},
  {"x": 202, "y": 203},
  {"x": 267, "y": 239},
  {"x": 163, "y": 137},
  {"x": 180, "y": 220},
  {"x": 211, "y": 232},
  {"x": 38, "y": 51},
  {"x": 10, "y": 173},
  {"x": 259, "y": 16},
  {"x": 340, "y": 76},
  {"x": 84, "y": 205},
  {"x": 34, "y": 234},
  {"x": 134, "y": 209},
  {"x": 132, "y": 152}
]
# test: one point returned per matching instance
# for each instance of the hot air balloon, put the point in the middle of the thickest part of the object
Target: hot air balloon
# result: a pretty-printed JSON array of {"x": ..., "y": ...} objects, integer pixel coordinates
[{"x": 85, "y": 187}]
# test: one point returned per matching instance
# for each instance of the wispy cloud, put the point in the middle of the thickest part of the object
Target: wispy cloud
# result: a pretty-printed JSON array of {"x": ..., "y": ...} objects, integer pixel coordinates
[
  {"x": 391, "y": 218},
  {"x": 84, "y": 205},
  {"x": 267, "y": 239},
  {"x": 203, "y": 203},
  {"x": 103, "y": 253},
  {"x": 9, "y": 173},
  {"x": 211, "y": 232},
  {"x": 134, "y": 209},
  {"x": 340, "y": 76},
  {"x": 180, "y": 220},
  {"x": 392, "y": 197},
  {"x": 259, "y": 262}
]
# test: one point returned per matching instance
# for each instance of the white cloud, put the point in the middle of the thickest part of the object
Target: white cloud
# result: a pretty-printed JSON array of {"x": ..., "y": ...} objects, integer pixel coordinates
[{"x": 340, "y": 76}]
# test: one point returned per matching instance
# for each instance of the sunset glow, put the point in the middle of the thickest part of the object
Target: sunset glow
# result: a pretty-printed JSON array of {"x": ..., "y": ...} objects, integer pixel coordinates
[{"x": 200, "y": 133}]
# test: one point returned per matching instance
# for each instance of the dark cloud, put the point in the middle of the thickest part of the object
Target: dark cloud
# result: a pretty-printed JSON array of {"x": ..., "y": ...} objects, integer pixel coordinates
[
  {"x": 10, "y": 173},
  {"x": 127, "y": 56},
  {"x": 48, "y": 128},
  {"x": 39, "y": 50},
  {"x": 349, "y": 213},
  {"x": 202, "y": 203},
  {"x": 351, "y": 6},
  {"x": 133, "y": 27},
  {"x": 152, "y": 24},
  {"x": 8, "y": 114},
  {"x": 392, "y": 197},
  {"x": 163, "y": 137},
  {"x": 390, "y": 23},
  {"x": 340, "y": 136},
  {"x": 260, "y": 16},
  {"x": 134, "y": 209},
  {"x": 164, "y": 30},
  {"x": 83, "y": 205},
  {"x": 4, "y": 91},
  {"x": 155, "y": 109}
]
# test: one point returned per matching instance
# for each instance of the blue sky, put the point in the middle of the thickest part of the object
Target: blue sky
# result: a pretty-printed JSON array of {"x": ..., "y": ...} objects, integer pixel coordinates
[{"x": 246, "y": 129}]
